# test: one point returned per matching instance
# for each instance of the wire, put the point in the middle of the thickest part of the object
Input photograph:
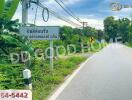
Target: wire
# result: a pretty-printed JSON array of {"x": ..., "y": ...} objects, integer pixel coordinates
[
  {"x": 67, "y": 11},
  {"x": 58, "y": 16},
  {"x": 45, "y": 9},
  {"x": 53, "y": 13}
]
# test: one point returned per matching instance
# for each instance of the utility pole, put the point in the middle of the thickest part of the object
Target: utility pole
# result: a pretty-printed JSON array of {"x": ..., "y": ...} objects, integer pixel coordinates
[
  {"x": 26, "y": 72},
  {"x": 25, "y": 6},
  {"x": 25, "y": 11},
  {"x": 84, "y": 24}
]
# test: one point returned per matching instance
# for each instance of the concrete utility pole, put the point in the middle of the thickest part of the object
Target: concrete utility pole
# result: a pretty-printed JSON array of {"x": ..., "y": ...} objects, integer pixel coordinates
[
  {"x": 26, "y": 72},
  {"x": 25, "y": 11},
  {"x": 84, "y": 24}
]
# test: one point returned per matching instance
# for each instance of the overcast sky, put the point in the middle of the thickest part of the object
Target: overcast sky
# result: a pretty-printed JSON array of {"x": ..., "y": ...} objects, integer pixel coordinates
[{"x": 92, "y": 11}]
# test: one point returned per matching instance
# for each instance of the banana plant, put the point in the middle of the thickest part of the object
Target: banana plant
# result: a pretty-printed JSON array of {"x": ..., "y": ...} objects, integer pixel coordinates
[
  {"x": 9, "y": 42},
  {"x": 9, "y": 36},
  {"x": 8, "y": 8},
  {"x": 2, "y": 2}
]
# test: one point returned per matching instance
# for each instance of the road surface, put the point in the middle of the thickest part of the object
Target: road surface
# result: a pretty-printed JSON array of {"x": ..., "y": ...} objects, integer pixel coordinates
[{"x": 107, "y": 76}]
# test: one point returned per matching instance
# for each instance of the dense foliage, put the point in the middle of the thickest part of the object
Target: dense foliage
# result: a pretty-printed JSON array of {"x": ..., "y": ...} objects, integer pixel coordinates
[
  {"x": 12, "y": 42},
  {"x": 43, "y": 80},
  {"x": 115, "y": 28}
]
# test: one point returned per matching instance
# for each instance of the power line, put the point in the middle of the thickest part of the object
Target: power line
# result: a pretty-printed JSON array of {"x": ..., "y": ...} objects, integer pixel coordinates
[
  {"x": 67, "y": 11},
  {"x": 63, "y": 18},
  {"x": 58, "y": 16}
]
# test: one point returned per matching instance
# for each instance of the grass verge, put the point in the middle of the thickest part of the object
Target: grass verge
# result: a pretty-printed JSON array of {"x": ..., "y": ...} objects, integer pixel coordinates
[{"x": 45, "y": 81}]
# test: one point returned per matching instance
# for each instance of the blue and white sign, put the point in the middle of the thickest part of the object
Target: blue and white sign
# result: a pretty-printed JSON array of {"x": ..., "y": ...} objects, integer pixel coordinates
[{"x": 40, "y": 32}]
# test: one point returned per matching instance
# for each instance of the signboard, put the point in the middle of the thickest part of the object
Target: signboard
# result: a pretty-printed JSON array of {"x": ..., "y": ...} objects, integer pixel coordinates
[
  {"x": 92, "y": 39},
  {"x": 15, "y": 95},
  {"x": 40, "y": 32}
]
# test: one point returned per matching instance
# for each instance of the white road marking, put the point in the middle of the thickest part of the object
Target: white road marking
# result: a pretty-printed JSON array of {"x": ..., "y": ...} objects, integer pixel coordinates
[{"x": 65, "y": 84}]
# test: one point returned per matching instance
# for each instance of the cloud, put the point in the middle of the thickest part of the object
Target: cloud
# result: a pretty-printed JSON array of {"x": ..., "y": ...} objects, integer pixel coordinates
[
  {"x": 127, "y": 12},
  {"x": 110, "y": 1},
  {"x": 93, "y": 20},
  {"x": 53, "y": 5},
  {"x": 98, "y": 24},
  {"x": 66, "y": 2},
  {"x": 95, "y": 23},
  {"x": 71, "y": 2}
]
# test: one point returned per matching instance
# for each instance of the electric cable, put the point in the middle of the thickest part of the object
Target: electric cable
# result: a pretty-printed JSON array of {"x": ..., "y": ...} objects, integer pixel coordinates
[
  {"x": 43, "y": 12},
  {"x": 58, "y": 16},
  {"x": 68, "y": 12}
]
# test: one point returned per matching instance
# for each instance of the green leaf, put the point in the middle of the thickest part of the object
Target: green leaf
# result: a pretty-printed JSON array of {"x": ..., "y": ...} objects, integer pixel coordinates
[
  {"x": 2, "y": 3},
  {"x": 9, "y": 9}
]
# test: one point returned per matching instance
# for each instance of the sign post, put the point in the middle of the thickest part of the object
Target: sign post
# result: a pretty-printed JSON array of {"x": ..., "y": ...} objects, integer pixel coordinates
[
  {"x": 42, "y": 33},
  {"x": 51, "y": 54}
]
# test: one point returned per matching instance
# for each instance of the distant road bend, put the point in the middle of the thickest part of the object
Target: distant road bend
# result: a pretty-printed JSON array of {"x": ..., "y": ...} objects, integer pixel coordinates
[{"x": 107, "y": 76}]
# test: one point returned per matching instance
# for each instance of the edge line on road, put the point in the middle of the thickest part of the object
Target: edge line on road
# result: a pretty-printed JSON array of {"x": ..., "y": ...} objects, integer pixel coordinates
[{"x": 67, "y": 81}]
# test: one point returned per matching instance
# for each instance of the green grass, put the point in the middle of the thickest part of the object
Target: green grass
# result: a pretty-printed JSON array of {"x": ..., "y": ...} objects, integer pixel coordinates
[
  {"x": 128, "y": 44},
  {"x": 45, "y": 81},
  {"x": 95, "y": 47},
  {"x": 11, "y": 76}
]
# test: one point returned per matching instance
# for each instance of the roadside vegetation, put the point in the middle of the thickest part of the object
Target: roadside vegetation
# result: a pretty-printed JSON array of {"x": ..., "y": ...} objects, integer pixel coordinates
[
  {"x": 44, "y": 80},
  {"x": 118, "y": 28}
]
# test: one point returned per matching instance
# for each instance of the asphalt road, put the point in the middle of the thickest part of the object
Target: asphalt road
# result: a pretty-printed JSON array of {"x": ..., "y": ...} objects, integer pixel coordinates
[{"x": 107, "y": 76}]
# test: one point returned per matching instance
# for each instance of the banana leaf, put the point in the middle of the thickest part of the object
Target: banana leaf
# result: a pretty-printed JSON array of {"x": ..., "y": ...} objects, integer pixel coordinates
[
  {"x": 9, "y": 9},
  {"x": 10, "y": 40},
  {"x": 2, "y": 5}
]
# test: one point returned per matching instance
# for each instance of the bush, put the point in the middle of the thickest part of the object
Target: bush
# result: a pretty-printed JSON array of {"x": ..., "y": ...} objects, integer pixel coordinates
[{"x": 45, "y": 80}]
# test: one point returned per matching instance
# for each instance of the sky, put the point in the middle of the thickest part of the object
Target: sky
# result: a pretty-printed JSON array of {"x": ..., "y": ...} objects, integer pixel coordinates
[{"x": 91, "y": 11}]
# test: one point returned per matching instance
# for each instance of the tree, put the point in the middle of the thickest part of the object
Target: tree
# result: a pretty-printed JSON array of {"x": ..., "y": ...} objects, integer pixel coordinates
[
  {"x": 10, "y": 39},
  {"x": 111, "y": 27},
  {"x": 124, "y": 29},
  {"x": 90, "y": 32},
  {"x": 100, "y": 35},
  {"x": 130, "y": 33}
]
